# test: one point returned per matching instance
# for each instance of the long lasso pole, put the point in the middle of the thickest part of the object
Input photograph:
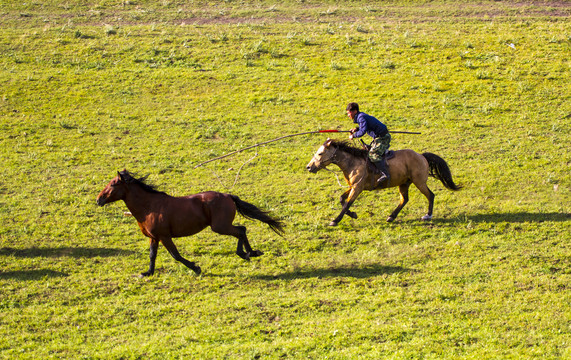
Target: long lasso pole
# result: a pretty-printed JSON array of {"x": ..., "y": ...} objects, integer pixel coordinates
[{"x": 288, "y": 136}]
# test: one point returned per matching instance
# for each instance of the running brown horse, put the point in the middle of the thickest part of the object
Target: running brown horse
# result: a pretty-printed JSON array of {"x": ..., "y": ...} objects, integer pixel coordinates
[
  {"x": 406, "y": 167},
  {"x": 162, "y": 217}
]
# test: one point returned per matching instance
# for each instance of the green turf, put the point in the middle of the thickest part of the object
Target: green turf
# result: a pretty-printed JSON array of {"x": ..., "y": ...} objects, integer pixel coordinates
[{"x": 90, "y": 88}]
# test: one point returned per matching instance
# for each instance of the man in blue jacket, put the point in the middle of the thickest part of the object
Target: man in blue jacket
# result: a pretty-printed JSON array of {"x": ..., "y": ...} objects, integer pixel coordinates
[{"x": 378, "y": 131}]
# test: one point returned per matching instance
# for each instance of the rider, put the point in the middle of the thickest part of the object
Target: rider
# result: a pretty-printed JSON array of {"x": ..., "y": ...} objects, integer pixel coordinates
[{"x": 378, "y": 131}]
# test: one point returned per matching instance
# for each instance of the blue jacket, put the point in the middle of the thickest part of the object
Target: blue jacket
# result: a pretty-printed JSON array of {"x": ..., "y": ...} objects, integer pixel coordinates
[{"x": 369, "y": 125}]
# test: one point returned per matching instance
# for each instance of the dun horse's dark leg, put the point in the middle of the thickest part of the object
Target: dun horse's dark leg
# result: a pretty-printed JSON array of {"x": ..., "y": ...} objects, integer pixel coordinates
[
  {"x": 403, "y": 189},
  {"x": 170, "y": 246},
  {"x": 430, "y": 203},
  {"x": 430, "y": 198},
  {"x": 153, "y": 256},
  {"x": 343, "y": 200},
  {"x": 341, "y": 214}
]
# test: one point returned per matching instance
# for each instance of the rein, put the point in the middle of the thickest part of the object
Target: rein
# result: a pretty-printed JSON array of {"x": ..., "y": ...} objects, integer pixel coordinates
[
  {"x": 320, "y": 167},
  {"x": 330, "y": 158},
  {"x": 334, "y": 173}
]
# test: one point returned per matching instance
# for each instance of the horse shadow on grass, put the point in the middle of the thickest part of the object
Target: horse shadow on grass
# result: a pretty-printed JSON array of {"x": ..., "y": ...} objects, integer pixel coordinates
[
  {"x": 515, "y": 217},
  {"x": 358, "y": 272},
  {"x": 38, "y": 274},
  {"x": 75, "y": 252},
  {"x": 35, "y": 252}
]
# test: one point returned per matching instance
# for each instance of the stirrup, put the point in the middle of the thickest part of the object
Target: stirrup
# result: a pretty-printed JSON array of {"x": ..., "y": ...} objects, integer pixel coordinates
[{"x": 382, "y": 179}]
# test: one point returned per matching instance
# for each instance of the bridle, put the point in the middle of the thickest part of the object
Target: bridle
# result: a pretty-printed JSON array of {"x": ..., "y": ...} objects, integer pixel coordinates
[{"x": 323, "y": 161}]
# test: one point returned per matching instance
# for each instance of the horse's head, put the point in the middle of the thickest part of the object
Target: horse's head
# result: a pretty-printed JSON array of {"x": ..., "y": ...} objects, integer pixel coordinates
[
  {"x": 323, "y": 157},
  {"x": 115, "y": 190}
]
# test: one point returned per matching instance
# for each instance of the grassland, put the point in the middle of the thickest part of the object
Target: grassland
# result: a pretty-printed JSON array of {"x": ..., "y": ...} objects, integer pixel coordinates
[{"x": 92, "y": 87}]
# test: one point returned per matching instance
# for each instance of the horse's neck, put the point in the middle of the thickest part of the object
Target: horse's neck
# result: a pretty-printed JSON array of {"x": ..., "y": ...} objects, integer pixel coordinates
[
  {"x": 141, "y": 202},
  {"x": 348, "y": 163}
]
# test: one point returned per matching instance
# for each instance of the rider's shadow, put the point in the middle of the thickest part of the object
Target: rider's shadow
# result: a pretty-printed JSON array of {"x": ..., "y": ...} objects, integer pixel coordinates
[{"x": 515, "y": 217}]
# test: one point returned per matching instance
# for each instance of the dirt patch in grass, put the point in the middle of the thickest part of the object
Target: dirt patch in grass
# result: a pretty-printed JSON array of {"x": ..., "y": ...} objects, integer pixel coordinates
[
  {"x": 390, "y": 13},
  {"x": 141, "y": 14}
]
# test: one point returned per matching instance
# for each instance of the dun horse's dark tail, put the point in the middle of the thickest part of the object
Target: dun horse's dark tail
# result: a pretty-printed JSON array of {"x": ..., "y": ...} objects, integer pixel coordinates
[
  {"x": 252, "y": 212},
  {"x": 439, "y": 169}
]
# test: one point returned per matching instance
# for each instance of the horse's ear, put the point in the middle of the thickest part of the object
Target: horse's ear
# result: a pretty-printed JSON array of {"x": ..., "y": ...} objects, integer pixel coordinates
[
  {"x": 123, "y": 174},
  {"x": 328, "y": 142}
]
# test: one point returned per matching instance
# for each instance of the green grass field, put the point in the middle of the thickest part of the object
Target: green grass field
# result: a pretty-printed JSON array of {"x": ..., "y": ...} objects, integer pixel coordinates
[{"x": 89, "y": 88}]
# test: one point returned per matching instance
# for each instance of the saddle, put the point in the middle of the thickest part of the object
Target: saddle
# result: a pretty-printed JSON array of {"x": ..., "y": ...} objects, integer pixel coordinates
[
  {"x": 380, "y": 167},
  {"x": 389, "y": 154}
]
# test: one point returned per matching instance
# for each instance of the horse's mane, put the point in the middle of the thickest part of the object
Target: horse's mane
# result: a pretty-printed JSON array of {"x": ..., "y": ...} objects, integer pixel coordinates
[
  {"x": 345, "y": 146},
  {"x": 130, "y": 179}
]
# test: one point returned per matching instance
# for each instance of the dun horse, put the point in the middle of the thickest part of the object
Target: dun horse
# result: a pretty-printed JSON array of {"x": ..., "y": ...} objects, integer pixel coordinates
[
  {"x": 406, "y": 167},
  {"x": 162, "y": 217}
]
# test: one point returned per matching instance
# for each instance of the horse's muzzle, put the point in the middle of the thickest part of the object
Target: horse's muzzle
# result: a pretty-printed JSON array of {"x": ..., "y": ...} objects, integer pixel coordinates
[
  {"x": 312, "y": 168},
  {"x": 101, "y": 201}
]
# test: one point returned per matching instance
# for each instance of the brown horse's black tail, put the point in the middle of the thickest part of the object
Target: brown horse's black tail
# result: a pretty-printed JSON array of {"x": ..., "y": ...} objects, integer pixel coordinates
[
  {"x": 252, "y": 212},
  {"x": 439, "y": 169}
]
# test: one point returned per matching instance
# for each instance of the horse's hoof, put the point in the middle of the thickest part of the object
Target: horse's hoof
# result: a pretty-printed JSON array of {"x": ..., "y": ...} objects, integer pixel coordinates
[
  {"x": 245, "y": 256},
  {"x": 145, "y": 274},
  {"x": 197, "y": 270},
  {"x": 333, "y": 223},
  {"x": 256, "y": 253},
  {"x": 390, "y": 219},
  {"x": 352, "y": 215},
  {"x": 426, "y": 217}
]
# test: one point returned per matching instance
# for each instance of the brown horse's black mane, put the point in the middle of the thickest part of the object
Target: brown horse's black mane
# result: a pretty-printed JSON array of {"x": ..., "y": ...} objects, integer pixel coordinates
[
  {"x": 345, "y": 146},
  {"x": 130, "y": 179}
]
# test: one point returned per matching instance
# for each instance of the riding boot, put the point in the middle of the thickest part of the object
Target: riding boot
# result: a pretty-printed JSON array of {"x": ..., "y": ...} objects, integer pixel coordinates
[{"x": 381, "y": 167}]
